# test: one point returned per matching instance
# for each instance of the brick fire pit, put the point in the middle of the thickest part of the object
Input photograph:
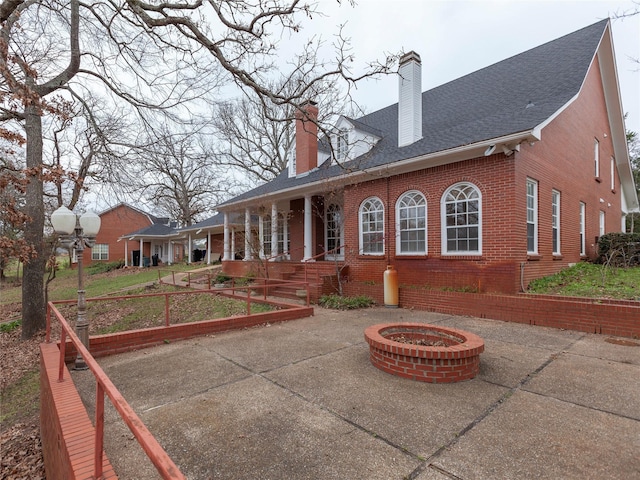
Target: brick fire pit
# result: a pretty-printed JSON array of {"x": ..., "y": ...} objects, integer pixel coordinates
[{"x": 424, "y": 352}]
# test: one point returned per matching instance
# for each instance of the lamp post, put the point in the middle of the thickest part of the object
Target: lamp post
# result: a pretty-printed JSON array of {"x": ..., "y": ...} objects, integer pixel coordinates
[{"x": 78, "y": 232}]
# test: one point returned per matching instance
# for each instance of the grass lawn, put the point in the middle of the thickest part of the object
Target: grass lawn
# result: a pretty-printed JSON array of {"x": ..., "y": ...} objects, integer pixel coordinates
[
  {"x": 590, "y": 280},
  {"x": 20, "y": 379},
  {"x": 65, "y": 285}
]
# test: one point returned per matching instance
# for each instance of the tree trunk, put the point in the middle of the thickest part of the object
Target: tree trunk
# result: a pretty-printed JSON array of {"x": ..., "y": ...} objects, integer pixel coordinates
[{"x": 33, "y": 304}]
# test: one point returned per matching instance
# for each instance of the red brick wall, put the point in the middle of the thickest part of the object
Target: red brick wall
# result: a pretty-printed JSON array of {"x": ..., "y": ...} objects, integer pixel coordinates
[
  {"x": 296, "y": 227},
  {"x": 217, "y": 245},
  {"x": 306, "y": 139},
  {"x": 115, "y": 223},
  {"x": 494, "y": 270},
  {"x": 564, "y": 160},
  {"x": 65, "y": 427}
]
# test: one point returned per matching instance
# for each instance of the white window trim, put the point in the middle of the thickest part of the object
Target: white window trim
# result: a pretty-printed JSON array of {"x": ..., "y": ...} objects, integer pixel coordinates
[
  {"x": 443, "y": 223},
  {"x": 596, "y": 156},
  {"x": 264, "y": 233},
  {"x": 340, "y": 254},
  {"x": 613, "y": 174},
  {"x": 100, "y": 253},
  {"x": 583, "y": 217},
  {"x": 555, "y": 218},
  {"x": 283, "y": 228},
  {"x": 361, "y": 233},
  {"x": 399, "y": 251},
  {"x": 601, "y": 223},
  {"x": 530, "y": 181},
  {"x": 341, "y": 145}
]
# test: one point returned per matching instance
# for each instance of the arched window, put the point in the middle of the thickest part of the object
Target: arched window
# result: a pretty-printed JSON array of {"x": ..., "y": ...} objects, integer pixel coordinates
[
  {"x": 461, "y": 212},
  {"x": 411, "y": 224},
  {"x": 372, "y": 227}
]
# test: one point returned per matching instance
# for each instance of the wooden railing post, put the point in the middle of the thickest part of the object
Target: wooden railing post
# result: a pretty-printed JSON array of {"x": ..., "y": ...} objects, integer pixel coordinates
[
  {"x": 63, "y": 345},
  {"x": 99, "y": 439},
  {"x": 248, "y": 301},
  {"x": 166, "y": 310},
  {"x": 48, "y": 335}
]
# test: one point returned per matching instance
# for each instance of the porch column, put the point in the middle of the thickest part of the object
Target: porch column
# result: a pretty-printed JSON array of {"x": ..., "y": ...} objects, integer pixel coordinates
[
  {"x": 233, "y": 244},
  {"x": 170, "y": 259},
  {"x": 261, "y": 236},
  {"x": 227, "y": 246},
  {"x": 209, "y": 247},
  {"x": 308, "y": 241},
  {"x": 247, "y": 234},
  {"x": 141, "y": 253},
  {"x": 189, "y": 253},
  {"x": 274, "y": 232},
  {"x": 126, "y": 253}
]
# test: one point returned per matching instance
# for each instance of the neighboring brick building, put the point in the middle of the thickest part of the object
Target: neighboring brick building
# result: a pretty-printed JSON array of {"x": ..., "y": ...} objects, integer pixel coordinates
[
  {"x": 124, "y": 229},
  {"x": 481, "y": 184}
]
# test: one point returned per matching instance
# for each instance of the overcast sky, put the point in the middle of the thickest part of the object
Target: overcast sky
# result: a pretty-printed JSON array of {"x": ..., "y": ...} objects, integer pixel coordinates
[{"x": 455, "y": 37}]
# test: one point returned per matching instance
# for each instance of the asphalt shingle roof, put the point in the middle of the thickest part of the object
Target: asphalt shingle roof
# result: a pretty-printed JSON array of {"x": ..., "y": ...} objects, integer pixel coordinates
[
  {"x": 155, "y": 230},
  {"x": 486, "y": 104}
]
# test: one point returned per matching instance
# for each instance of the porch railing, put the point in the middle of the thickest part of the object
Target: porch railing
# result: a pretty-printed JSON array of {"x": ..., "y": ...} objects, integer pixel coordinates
[
  {"x": 272, "y": 258},
  {"x": 163, "y": 463},
  {"x": 325, "y": 253}
]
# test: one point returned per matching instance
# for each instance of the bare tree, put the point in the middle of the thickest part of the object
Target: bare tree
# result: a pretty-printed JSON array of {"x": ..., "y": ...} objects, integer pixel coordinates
[
  {"x": 43, "y": 66},
  {"x": 257, "y": 147},
  {"x": 133, "y": 60},
  {"x": 258, "y": 138},
  {"x": 178, "y": 174}
]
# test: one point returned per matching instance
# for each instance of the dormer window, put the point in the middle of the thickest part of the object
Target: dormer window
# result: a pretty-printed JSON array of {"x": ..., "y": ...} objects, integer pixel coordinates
[{"x": 341, "y": 144}]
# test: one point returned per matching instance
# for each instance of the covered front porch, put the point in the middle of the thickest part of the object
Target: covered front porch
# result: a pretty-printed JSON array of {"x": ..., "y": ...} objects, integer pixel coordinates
[
  {"x": 307, "y": 229},
  {"x": 299, "y": 239},
  {"x": 146, "y": 247}
]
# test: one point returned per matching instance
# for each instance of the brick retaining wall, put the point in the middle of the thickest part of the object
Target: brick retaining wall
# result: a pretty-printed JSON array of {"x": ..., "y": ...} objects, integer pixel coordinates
[
  {"x": 607, "y": 317},
  {"x": 110, "y": 344}
]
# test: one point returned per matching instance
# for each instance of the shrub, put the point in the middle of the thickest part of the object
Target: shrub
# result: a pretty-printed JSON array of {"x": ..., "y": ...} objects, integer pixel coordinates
[
  {"x": 346, "y": 303},
  {"x": 104, "y": 267},
  {"x": 619, "y": 249},
  {"x": 222, "y": 278}
]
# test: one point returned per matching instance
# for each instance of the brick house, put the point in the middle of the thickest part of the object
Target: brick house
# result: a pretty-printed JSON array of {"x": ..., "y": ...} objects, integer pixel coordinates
[
  {"x": 482, "y": 184},
  {"x": 125, "y": 230}
]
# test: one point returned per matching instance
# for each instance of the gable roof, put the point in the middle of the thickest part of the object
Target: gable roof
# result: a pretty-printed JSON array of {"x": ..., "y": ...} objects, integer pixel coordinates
[
  {"x": 509, "y": 101},
  {"x": 152, "y": 218}
]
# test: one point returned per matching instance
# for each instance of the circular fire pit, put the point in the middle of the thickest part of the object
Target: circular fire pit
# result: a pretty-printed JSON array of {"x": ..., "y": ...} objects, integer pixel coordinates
[{"x": 424, "y": 352}]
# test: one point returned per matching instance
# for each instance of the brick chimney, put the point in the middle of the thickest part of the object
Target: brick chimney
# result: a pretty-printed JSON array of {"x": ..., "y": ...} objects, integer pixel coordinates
[
  {"x": 409, "y": 99},
  {"x": 306, "y": 138}
]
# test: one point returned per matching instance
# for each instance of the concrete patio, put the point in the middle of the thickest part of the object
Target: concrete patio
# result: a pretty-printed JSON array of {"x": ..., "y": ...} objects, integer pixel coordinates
[{"x": 300, "y": 400}]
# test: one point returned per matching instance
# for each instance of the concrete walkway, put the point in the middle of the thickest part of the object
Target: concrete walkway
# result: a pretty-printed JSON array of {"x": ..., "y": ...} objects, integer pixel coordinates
[
  {"x": 197, "y": 278},
  {"x": 300, "y": 400}
]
